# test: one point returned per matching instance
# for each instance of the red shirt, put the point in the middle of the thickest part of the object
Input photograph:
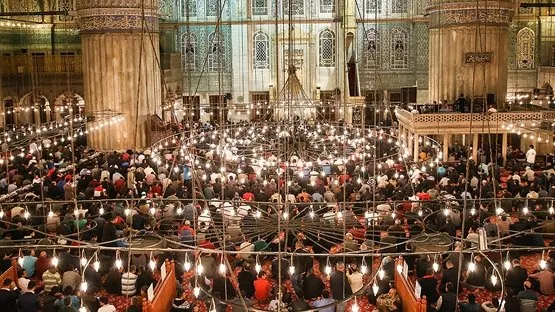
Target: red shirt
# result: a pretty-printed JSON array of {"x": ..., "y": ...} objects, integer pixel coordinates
[
  {"x": 248, "y": 196},
  {"x": 262, "y": 289},
  {"x": 206, "y": 245}
]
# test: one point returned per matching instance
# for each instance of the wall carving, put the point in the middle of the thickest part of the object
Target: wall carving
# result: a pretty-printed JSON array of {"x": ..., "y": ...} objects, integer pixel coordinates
[
  {"x": 478, "y": 57},
  {"x": 117, "y": 23}
]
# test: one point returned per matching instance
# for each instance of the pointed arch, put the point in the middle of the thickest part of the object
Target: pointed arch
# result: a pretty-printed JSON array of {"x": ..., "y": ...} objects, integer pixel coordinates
[
  {"x": 188, "y": 52},
  {"x": 216, "y": 52},
  {"x": 525, "y": 48},
  {"x": 327, "y": 48},
  {"x": 371, "y": 47},
  {"x": 399, "y": 49},
  {"x": 261, "y": 50}
]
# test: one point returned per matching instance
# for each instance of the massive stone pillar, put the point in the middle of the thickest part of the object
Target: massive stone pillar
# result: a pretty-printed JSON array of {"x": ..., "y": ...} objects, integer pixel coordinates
[
  {"x": 121, "y": 70},
  {"x": 468, "y": 48}
]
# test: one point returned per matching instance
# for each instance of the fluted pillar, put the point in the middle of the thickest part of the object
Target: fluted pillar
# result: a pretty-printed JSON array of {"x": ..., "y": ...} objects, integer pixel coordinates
[
  {"x": 121, "y": 70},
  {"x": 468, "y": 48}
]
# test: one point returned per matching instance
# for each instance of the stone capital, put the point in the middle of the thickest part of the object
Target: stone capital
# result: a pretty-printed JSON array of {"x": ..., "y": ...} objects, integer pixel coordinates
[
  {"x": 108, "y": 16},
  {"x": 465, "y": 13}
]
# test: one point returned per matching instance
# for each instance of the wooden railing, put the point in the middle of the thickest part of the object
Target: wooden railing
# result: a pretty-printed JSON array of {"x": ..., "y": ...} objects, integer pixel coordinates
[
  {"x": 163, "y": 293},
  {"x": 21, "y": 64},
  {"x": 405, "y": 289},
  {"x": 10, "y": 273}
]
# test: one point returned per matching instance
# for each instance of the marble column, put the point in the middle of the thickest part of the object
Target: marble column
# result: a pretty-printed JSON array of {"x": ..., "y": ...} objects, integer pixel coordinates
[
  {"x": 475, "y": 148},
  {"x": 121, "y": 71},
  {"x": 416, "y": 147},
  {"x": 504, "y": 148},
  {"x": 468, "y": 42},
  {"x": 446, "y": 142}
]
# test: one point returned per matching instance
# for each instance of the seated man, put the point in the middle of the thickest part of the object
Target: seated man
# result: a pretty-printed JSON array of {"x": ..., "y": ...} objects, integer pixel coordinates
[
  {"x": 389, "y": 302},
  {"x": 471, "y": 305}
]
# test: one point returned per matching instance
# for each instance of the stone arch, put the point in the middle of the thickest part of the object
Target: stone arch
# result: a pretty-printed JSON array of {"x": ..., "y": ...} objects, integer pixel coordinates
[
  {"x": 66, "y": 100},
  {"x": 32, "y": 108}
]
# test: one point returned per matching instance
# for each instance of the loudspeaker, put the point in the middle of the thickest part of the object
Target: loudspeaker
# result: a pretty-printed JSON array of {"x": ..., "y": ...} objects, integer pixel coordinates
[
  {"x": 490, "y": 99},
  {"x": 408, "y": 95}
]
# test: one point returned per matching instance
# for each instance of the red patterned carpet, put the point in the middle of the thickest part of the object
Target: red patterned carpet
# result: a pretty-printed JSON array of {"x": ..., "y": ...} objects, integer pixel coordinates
[{"x": 529, "y": 261}]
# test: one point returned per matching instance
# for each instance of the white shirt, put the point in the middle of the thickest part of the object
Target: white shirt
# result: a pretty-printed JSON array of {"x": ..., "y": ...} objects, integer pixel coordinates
[
  {"x": 531, "y": 156},
  {"x": 355, "y": 280},
  {"x": 23, "y": 282},
  {"x": 107, "y": 308}
]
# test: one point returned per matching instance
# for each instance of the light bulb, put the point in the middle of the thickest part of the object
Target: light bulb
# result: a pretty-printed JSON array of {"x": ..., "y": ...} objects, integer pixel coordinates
[
  {"x": 119, "y": 263},
  {"x": 152, "y": 211},
  {"x": 179, "y": 211},
  {"x": 196, "y": 291},
  {"x": 435, "y": 266},
  {"x": 187, "y": 266},
  {"x": 257, "y": 267},
  {"x": 258, "y": 214},
  {"x": 507, "y": 265},
  {"x": 200, "y": 269},
  {"x": 292, "y": 270},
  {"x": 51, "y": 214},
  {"x": 363, "y": 269},
  {"x": 446, "y": 212},
  {"x": 473, "y": 211},
  {"x": 551, "y": 210},
  {"x": 152, "y": 264},
  {"x": 20, "y": 261},
  {"x": 101, "y": 211},
  {"x": 82, "y": 309},
  {"x": 339, "y": 215},
  {"x": 499, "y": 211},
  {"x": 375, "y": 289},
  {"x": 327, "y": 270},
  {"x": 127, "y": 211},
  {"x": 543, "y": 264},
  {"x": 83, "y": 261},
  {"x": 222, "y": 268},
  {"x": 96, "y": 266},
  {"x": 83, "y": 287},
  {"x": 393, "y": 215},
  {"x": 471, "y": 266},
  {"x": 55, "y": 261},
  {"x": 355, "y": 307},
  {"x": 26, "y": 215},
  {"x": 311, "y": 214},
  {"x": 420, "y": 213},
  {"x": 525, "y": 210},
  {"x": 494, "y": 279},
  {"x": 1, "y": 214},
  {"x": 381, "y": 273},
  {"x": 399, "y": 268}
]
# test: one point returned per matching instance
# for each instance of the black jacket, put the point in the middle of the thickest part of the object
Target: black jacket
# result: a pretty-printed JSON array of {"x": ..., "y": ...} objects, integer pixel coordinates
[
  {"x": 8, "y": 300},
  {"x": 448, "y": 302},
  {"x": 246, "y": 283},
  {"x": 29, "y": 302},
  {"x": 313, "y": 286},
  {"x": 516, "y": 277},
  {"x": 429, "y": 289},
  {"x": 449, "y": 275},
  {"x": 339, "y": 286}
]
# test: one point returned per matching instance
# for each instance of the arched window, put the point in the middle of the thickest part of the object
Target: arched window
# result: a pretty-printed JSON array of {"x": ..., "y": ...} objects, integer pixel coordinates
[
  {"x": 216, "y": 52},
  {"x": 399, "y": 49},
  {"x": 327, "y": 48},
  {"x": 212, "y": 7},
  {"x": 259, "y": 7},
  {"x": 188, "y": 52},
  {"x": 297, "y": 7},
  {"x": 373, "y": 6},
  {"x": 399, "y": 6},
  {"x": 371, "y": 48},
  {"x": 261, "y": 53},
  {"x": 525, "y": 45},
  {"x": 188, "y": 8}
]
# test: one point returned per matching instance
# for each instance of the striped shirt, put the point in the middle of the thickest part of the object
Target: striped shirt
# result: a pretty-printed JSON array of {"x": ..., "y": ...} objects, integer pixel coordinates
[
  {"x": 50, "y": 280},
  {"x": 128, "y": 281}
]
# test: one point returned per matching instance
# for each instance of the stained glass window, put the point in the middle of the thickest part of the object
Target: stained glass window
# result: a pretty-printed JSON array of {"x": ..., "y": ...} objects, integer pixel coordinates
[
  {"x": 212, "y": 7},
  {"x": 188, "y": 52},
  {"x": 399, "y": 6},
  {"x": 261, "y": 51},
  {"x": 216, "y": 52},
  {"x": 373, "y": 6},
  {"x": 525, "y": 45},
  {"x": 327, "y": 48},
  {"x": 297, "y": 7},
  {"x": 259, "y": 7},
  {"x": 188, "y": 8},
  {"x": 399, "y": 49},
  {"x": 327, "y": 6},
  {"x": 370, "y": 53}
]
